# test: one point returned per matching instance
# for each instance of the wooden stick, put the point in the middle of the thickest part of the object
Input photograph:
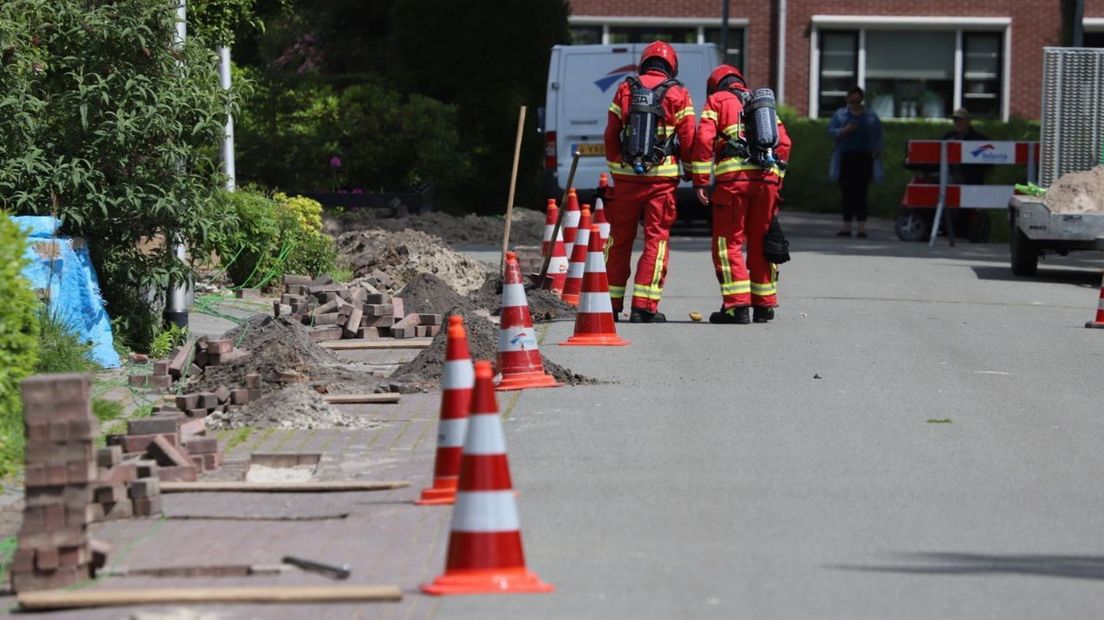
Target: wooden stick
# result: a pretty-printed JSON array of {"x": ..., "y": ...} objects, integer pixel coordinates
[
  {"x": 359, "y": 399},
  {"x": 79, "y": 599},
  {"x": 559, "y": 220},
  {"x": 513, "y": 186},
  {"x": 387, "y": 343},
  {"x": 336, "y": 486}
]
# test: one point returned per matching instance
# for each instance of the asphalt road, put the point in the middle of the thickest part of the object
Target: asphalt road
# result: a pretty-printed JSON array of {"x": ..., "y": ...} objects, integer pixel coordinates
[{"x": 917, "y": 435}]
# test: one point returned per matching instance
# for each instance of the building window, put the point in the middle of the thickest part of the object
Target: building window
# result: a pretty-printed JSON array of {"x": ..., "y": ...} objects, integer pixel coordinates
[
  {"x": 734, "y": 55},
  {"x": 901, "y": 81},
  {"x": 839, "y": 66},
  {"x": 586, "y": 35},
  {"x": 981, "y": 73},
  {"x": 647, "y": 34}
]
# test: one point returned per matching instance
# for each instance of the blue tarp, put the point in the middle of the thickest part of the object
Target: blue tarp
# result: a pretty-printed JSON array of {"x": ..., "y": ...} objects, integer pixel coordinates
[{"x": 64, "y": 267}]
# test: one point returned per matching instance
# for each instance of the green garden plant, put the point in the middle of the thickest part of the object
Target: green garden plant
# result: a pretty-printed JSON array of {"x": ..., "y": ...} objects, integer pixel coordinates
[{"x": 18, "y": 341}]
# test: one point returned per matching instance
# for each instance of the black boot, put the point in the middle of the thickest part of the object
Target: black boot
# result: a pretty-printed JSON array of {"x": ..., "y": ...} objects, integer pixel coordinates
[
  {"x": 643, "y": 316},
  {"x": 762, "y": 314},
  {"x": 738, "y": 315}
]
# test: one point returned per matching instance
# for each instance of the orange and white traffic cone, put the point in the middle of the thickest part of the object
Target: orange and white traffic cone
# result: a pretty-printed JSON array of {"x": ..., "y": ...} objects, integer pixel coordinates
[
  {"x": 594, "y": 326},
  {"x": 1098, "y": 322},
  {"x": 456, "y": 391},
  {"x": 556, "y": 275},
  {"x": 551, "y": 214},
  {"x": 573, "y": 285},
  {"x": 600, "y": 209},
  {"x": 519, "y": 359},
  {"x": 485, "y": 555},
  {"x": 571, "y": 220}
]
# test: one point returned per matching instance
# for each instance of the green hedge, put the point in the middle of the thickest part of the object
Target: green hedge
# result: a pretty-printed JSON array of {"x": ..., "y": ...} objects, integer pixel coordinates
[
  {"x": 18, "y": 340},
  {"x": 807, "y": 187}
]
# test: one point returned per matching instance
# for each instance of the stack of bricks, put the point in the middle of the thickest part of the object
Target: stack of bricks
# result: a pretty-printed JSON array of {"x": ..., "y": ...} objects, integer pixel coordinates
[
  {"x": 53, "y": 546},
  {"x": 125, "y": 488},
  {"x": 188, "y": 360},
  {"x": 199, "y": 405},
  {"x": 336, "y": 311},
  {"x": 168, "y": 446}
]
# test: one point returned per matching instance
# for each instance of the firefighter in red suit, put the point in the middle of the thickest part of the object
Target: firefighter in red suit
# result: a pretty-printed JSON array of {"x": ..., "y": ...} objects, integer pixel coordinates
[
  {"x": 744, "y": 200},
  {"x": 650, "y": 193}
]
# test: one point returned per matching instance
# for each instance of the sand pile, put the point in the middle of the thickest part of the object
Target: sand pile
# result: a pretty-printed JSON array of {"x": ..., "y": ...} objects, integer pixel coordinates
[
  {"x": 293, "y": 407},
  {"x": 424, "y": 372},
  {"x": 526, "y": 227},
  {"x": 398, "y": 257},
  {"x": 1077, "y": 192}
]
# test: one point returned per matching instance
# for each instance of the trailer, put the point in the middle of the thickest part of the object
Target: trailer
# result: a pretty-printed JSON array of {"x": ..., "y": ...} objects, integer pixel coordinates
[{"x": 1035, "y": 231}]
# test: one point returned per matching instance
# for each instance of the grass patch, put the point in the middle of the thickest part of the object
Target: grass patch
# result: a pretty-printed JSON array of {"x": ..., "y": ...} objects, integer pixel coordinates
[
  {"x": 8, "y": 546},
  {"x": 342, "y": 274},
  {"x": 106, "y": 410},
  {"x": 59, "y": 348},
  {"x": 939, "y": 421},
  {"x": 239, "y": 437}
]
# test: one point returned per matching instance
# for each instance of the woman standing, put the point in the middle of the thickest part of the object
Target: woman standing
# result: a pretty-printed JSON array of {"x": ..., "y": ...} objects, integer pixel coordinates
[{"x": 858, "y": 134}]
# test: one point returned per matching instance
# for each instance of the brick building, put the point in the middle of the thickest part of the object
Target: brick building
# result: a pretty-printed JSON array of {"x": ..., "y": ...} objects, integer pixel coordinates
[{"x": 913, "y": 60}]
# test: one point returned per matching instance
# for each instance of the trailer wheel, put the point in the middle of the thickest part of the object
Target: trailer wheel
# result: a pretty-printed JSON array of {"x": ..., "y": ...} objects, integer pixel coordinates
[
  {"x": 911, "y": 225},
  {"x": 1024, "y": 253}
]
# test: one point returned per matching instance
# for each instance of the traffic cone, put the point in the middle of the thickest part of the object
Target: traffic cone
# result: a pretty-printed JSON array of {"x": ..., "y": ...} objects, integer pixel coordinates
[
  {"x": 551, "y": 214},
  {"x": 574, "y": 282},
  {"x": 600, "y": 209},
  {"x": 485, "y": 555},
  {"x": 456, "y": 390},
  {"x": 594, "y": 320},
  {"x": 571, "y": 221},
  {"x": 519, "y": 359},
  {"x": 1098, "y": 323},
  {"x": 557, "y": 267}
]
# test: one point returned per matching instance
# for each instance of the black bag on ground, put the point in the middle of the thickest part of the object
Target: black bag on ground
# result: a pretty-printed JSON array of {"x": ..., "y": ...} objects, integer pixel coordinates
[{"x": 776, "y": 248}]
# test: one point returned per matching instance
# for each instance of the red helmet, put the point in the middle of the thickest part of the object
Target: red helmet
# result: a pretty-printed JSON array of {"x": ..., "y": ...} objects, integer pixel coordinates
[
  {"x": 663, "y": 51},
  {"x": 719, "y": 76}
]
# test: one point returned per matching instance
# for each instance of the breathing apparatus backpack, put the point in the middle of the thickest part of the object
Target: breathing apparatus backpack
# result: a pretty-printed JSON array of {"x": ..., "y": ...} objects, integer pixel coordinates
[
  {"x": 760, "y": 120},
  {"x": 641, "y": 145}
]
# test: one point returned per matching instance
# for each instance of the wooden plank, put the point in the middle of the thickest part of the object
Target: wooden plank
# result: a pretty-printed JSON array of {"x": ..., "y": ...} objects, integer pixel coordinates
[
  {"x": 80, "y": 599},
  {"x": 358, "y": 399},
  {"x": 352, "y": 345},
  {"x": 336, "y": 486}
]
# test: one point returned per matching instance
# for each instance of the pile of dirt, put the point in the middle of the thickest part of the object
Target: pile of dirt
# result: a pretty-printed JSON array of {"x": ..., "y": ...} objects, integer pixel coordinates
[
  {"x": 1077, "y": 192},
  {"x": 543, "y": 305},
  {"x": 281, "y": 351},
  {"x": 428, "y": 294},
  {"x": 526, "y": 226},
  {"x": 389, "y": 260},
  {"x": 293, "y": 407},
  {"x": 424, "y": 371}
]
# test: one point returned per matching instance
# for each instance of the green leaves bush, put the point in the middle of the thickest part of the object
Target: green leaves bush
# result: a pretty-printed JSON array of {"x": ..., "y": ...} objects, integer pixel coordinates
[
  {"x": 384, "y": 140},
  {"x": 18, "y": 340},
  {"x": 105, "y": 123},
  {"x": 271, "y": 236}
]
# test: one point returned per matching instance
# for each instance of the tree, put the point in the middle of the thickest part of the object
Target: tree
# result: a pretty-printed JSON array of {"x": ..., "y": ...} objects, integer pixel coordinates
[{"x": 109, "y": 126}]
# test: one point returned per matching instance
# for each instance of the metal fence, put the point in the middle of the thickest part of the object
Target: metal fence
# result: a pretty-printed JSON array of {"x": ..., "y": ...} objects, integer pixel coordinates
[{"x": 1073, "y": 111}]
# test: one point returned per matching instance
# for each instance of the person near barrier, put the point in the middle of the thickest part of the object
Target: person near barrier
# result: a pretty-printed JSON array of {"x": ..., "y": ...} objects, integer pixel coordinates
[
  {"x": 742, "y": 142},
  {"x": 858, "y": 134},
  {"x": 968, "y": 174},
  {"x": 650, "y": 130}
]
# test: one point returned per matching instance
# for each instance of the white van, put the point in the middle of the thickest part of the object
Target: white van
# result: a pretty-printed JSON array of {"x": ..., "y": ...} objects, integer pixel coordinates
[{"x": 582, "y": 80}]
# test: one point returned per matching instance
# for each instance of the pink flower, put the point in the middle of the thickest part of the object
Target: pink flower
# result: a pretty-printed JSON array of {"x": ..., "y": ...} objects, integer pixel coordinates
[{"x": 335, "y": 162}]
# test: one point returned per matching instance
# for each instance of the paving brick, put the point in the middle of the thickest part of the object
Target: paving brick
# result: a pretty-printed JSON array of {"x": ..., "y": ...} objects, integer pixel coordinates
[
  {"x": 78, "y": 517},
  {"x": 70, "y": 536},
  {"x": 118, "y": 510},
  {"x": 182, "y": 358},
  {"x": 61, "y": 578},
  {"x": 34, "y": 475},
  {"x": 193, "y": 427},
  {"x": 252, "y": 380},
  {"x": 34, "y": 520},
  {"x": 55, "y": 474},
  {"x": 144, "y": 487},
  {"x": 154, "y": 426},
  {"x": 147, "y": 468},
  {"x": 80, "y": 472},
  {"x": 147, "y": 506},
  {"x": 211, "y": 461},
  {"x": 85, "y": 429},
  {"x": 46, "y": 559},
  {"x": 352, "y": 324},
  {"x": 185, "y": 402},
  {"x": 296, "y": 279},
  {"x": 178, "y": 474},
  {"x": 53, "y": 453},
  {"x": 163, "y": 382},
  {"x": 109, "y": 493},
  {"x": 123, "y": 472},
  {"x": 201, "y": 445},
  {"x": 141, "y": 443},
  {"x": 429, "y": 319},
  {"x": 434, "y": 330},
  {"x": 421, "y": 331},
  {"x": 322, "y": 334},
  {"x": 160, "y": 368},
  {"x": 138, "y": 358},
  {"x": 330, "y": 318},
  {"x": 167, "y": 454},
  {"x": 223, "y": 394},
  {"x": 53, "y": 389},
  {"x": 139, "y": 381},
  {"x": 219, "y": 346},
  {"x": 377, "y": 298},
  {"x": 72, "y": 557},
  {"x": 239, "y": 396},
  {"x": 111, "y": 455},
  {"x": 398, "y": 309},
  {"x": 22, "y": 561},
  {"x": 198, "y": 413},
  {"x": 206, "y": 400},
  {"x": 255, "y": 394}
]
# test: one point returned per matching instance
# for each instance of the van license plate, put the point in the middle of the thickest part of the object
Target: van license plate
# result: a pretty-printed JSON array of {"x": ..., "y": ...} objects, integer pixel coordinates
[{"x": 591, "y": 150}]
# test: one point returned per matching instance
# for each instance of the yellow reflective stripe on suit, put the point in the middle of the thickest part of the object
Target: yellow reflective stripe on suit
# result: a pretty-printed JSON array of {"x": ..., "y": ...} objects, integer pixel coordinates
[
  {"x": 709, "y": 114},
  {"x": 763, "y": 289},
  {"x": 722, "y": 257},
  {"x": 683, "y": 113},
  {"x": 616, "y": 109},
  {"x": 700, "y": 167},
  {"x": 736, "y": 288},
  {"x": 669, "y": 168}
]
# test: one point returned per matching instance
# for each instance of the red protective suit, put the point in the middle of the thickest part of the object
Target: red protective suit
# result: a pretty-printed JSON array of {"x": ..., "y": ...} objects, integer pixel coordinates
[
  {"x": 744, "y": 201},
  {"x": 650, "y": 195}
]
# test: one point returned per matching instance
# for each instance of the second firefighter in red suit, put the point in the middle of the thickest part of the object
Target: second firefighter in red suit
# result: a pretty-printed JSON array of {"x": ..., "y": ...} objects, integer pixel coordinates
[
  {"x": 650, "y": 195},
  {"x": 744, "y": 200}
]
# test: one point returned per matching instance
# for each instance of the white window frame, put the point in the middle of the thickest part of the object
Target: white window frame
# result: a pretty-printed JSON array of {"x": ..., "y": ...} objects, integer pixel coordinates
[{"x": 864, "y": 23}]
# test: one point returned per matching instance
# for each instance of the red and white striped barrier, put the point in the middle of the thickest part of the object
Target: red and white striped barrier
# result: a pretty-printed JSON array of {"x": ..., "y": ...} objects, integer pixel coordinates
[
  {"x": 519, "y": 358},
  {"x": 1098, "y": 322},
  {"x": 571, "y": 221},
  {"x": 551, "y": 214},
  {"x": 594, "y": 325},
  {"x": 485, "y": 553},
  {"x": 992, "y": 152},
  {"x": 556, "y": 275},
  {"x": 573, "y": 285},
  {"x": 600, "y": 208},
  {"x": 456, "y": 390},
  {"x": 925, "y": 195}
]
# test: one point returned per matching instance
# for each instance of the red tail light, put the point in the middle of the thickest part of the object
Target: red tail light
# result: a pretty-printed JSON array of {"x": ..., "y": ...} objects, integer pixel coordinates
[{"x": 550, "y": 150}]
